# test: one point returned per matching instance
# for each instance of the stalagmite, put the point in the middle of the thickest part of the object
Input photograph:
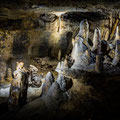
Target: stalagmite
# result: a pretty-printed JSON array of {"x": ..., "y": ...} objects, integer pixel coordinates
[
  {"x": 17, "y": 78},
  {"x": 84, "y": 29},
  {"x": 58, "y": 68},
  {"x": 65, "y": 64},
  {"x": 57, "y": 92},
  {"x": 59, "y": 55},
  {"x": 95, "y": 40},
  {"x": 99, "y": 64},
  {"x": 73, "y": 42},
  {"x": 80, "y": 53},
  {"x": 106, "y": 35},
  {"x": 84, "y": 32},
  {"x": 79, "y": 48},
  {"x": 13, "y": 100},
  {"x": 111, "y": 19},
  {"x": 81, "y": 40},
  {"x": 49, "y": 79},
  {"x": 88, "y": 55},
  {"x": 117, "y": 54},
  {"x": 76, "y": 51},
  {"x": 18, "y": 89},
  {"x": 117, "y": 37},
  {"x": 82, "y": 61},
  {"x": 61, "y": 81},
  {"x": 62, "y": 65}
]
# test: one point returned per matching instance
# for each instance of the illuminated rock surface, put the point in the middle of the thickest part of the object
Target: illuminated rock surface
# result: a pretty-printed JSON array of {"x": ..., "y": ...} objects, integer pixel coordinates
[{"x": 83, "y": 39}]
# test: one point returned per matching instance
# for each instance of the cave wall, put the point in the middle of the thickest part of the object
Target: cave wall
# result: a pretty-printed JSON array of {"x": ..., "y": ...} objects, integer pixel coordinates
[
  {"x": 33, "y": 37},
  {"x": 45, "y": 34}
]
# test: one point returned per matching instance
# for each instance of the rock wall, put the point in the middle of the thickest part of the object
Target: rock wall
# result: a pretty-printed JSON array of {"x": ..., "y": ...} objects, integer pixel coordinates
[{"x": 45, "y": 34}]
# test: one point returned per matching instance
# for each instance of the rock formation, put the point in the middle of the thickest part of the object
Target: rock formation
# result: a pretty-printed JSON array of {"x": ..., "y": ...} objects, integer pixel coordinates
[
  {"x": 9, "y": 77},
  {"x": 49, "y": 79},
  {"x": 95, "y": 40},
  {"x": 88, "y": 58},
  {"x": 42, "y": 40},
  {"x": 34, "y": 78},
  {"x": 55, "y": 92},
  {"x": 18, "y": 89},
  {"x": 116, "y": 59}
]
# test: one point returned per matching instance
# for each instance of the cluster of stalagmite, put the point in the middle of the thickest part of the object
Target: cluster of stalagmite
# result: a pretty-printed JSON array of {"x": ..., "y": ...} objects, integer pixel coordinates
[
  {"x": 92, "y": 57},
  {"x": 19, "y": 86},
  {"x": 84, "y": 56},
  {"x": 24, "y": 78}
]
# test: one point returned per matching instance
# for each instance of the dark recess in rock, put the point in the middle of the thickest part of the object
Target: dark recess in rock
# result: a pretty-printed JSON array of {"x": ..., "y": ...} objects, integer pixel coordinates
[
  {"x": 79, "y": 16},
  {"x": 48, "y": 17},
  {"x": 19, "y": 43}
]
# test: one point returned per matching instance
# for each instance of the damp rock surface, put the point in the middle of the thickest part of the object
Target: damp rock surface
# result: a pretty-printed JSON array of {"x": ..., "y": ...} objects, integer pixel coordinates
[{"x": 46, "y": 35}]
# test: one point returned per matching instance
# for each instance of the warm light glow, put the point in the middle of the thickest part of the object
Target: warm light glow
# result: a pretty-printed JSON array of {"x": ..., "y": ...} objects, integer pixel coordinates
[
  {"x": 59, "y": 23},
  {"x": 58, "y": 13}
]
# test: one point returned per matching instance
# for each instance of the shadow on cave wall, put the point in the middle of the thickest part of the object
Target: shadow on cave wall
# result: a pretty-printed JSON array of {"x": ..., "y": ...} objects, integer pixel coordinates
[
  {"x": 19, "y": 43},
  {"x": 65, "y": 43}
]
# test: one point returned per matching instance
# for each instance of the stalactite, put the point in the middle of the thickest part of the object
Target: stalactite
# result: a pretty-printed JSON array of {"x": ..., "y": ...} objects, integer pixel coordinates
[
  {"x": 114, "y": 28},
  {"x": 84, "y": 32},
  {"x": 59, "y": 24}
]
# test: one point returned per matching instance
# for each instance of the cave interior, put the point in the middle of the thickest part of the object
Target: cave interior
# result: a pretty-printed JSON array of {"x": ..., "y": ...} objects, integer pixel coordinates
[{"x": 60, "y": 59}]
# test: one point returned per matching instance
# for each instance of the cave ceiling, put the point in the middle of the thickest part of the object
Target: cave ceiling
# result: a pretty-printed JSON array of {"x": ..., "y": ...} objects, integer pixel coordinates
[{"x": 15, "y": 9}]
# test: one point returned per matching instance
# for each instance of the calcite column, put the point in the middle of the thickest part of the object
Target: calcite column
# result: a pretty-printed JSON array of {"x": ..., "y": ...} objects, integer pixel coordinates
[{"x": 99, "y": 63}]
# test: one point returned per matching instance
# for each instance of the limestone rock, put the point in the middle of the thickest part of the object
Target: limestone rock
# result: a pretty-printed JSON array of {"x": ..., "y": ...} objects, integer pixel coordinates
[
  {"x": 78, "y": 49},
  {"x": 61, "y": 81},
  {"x": 59, "y": 55},
  {"x": 95, "y": 40},
  {"x": 64, "y": 82},
  {"x": 107, "y": 60},
  {"x": 117, "y": 54},
  {"x": 98, "y": 66},
  {"x": 48, "y": 17},
  {"x": 84, "y": 31},
  {"x": 49, "y": 79},
  {"x": 112, "y": 53},
  {"x": 9, "y": 75},
  {"x": 33, "y": 69},
  {"x": 58, "y": 68}
]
